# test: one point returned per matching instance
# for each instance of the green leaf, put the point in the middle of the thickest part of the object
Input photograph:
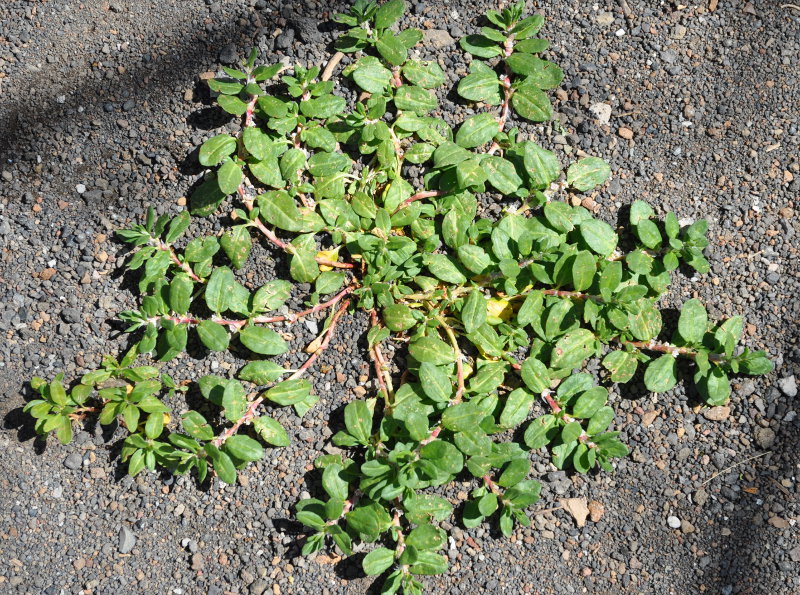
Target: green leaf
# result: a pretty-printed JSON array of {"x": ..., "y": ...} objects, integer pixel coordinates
[
  {"x": 391, "y": 49},
  {"x": 263, "y": 340},
  {"x": 588, "y": 173},
  {"x": 244, "y": 448},
  {"x": 257, "y": 143},
  {"x": 398, "y": 317},
  {"x": 429, "y": 563},
  {"x": 469, "y": 173},
  {"x": 462, "y": 417},
  {"x": 514, "y": 473},
  {"x": 270, "y": 431},
  {"x": 481, "y": 85},
  {"x": 223, "y": 465},
  {"x": 436, "y": 383},
  {"x": 415, "y": 99},
  {"x": 584, "y": 267},
  {"x": 225, "y": 87},
  {"x": 229, "y": 176},
  {"x": 541, "y": 432},
  {"x": 661, "y": 374},
  {"x": 473, "y": 313},
  {"x": 693, "y": 321},
  {"x": 377, "y": 561},
  {"x": 372, "y": 76},
  {"x": 477, "y": 130},
  {"x": 445, "y": 269},
  {"x": 369, "y": 520},
  {"x": 539, "y": 73},
  {"x": 640, "y": 211},
  {"x": 219, "y": 289},
  {"x": 589, "y": 402},
  {"x": 423, "y": 507},
  {"x": 180, "y": 293},
  {"x": 715, "y": 388},
  {"x": 542, "y": 166},
  {"x": 177, "y": 226},
  {"x": 207, "y": 197},
  {"x": 232, "y": 105},
  {"x": 262, "y": 372},
  {"x": 279, "y": 209},
  {"x": 427, "y": 75},
  {"x": 431, "y": 349},
  {"x": 289, "y": 392},
  {"x": 333, "y": 483},
  {"x": 426, "y": 537},
  {"x": 600, "y": 420},
  {"x": 197, "y": 426},
  {"x": 621, "y": 364},
  {"x": 324, "y": 106},
  {"x": 535, "y": 375},
  {"x": 325, "y": 164},
  {"x": 599, "y": 236},
  {"x": 532, "y": 104},
  {"x": 234, "y": 400},
  {"x": 358, "y": 420},
  {"x": 517, "y": 407},
  {"x": 573, "y": 348},
  {"x": 272, "y": 295},
  {"x": 501, "y": 174},
  {"x": 571, "y": 432},
  {"x": 480, "y": 46},
  {"x": 213, "y": 335},
  {"x": 649, "y": 234},
  {"x": 237, "y": 243},
  {"x": 389, "y": 13}
]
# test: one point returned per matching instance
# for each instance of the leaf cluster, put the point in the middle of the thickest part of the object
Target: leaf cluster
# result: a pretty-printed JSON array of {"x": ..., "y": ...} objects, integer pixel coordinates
[{"x": 496, "y": 318}]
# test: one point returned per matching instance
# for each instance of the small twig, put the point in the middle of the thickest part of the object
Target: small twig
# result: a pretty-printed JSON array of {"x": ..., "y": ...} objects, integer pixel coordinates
[
  {"x": 328, "y": 336},
  {"x": 332, "y": 63},
  {"x": 794, "y": 6},
  {"x": 384, "y": 379},
  {"x": 739, "y": 464}
]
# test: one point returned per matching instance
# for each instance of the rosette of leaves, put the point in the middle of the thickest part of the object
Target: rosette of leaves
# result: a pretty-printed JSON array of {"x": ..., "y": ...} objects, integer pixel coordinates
[{"x": 495, "y": 318}]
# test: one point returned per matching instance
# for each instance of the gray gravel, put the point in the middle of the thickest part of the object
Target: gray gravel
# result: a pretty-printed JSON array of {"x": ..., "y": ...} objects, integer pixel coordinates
[{"x": 102, "y": 106}]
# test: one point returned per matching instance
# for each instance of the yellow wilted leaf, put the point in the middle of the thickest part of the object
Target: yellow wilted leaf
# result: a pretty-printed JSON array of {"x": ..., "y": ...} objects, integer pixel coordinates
[
  {"x": 167, "y": 418},
  {"x": 332, "y": 255},
  {"x": 498, "y": 310}
]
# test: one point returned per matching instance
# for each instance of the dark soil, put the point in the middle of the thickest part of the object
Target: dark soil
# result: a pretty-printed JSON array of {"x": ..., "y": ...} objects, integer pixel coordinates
[{"x": 101, "y": 108}]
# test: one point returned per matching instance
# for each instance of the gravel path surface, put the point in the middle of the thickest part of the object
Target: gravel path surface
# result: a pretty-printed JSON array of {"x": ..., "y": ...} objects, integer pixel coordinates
[{"x": 101, "y": 107}]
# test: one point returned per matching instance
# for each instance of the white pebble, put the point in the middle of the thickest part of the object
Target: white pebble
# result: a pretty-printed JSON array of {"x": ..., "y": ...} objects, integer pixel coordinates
[{"x": 674, "y": 522}]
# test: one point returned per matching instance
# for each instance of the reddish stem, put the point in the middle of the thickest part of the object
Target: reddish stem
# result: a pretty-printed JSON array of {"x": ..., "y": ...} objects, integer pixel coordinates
[
  {"x": 290, "y": 318},
  {"x": 250, "y": 414},
  {"x": 248, "y": 115},
  {"x": 270, "y": 235},
  {"x": 492, "y": 486},
  {"x": 555, "y": 407},
  {"x": 174, "y": 257},
  {"x": 671, "y": 349},
  {"x": 419, "y": 196}
]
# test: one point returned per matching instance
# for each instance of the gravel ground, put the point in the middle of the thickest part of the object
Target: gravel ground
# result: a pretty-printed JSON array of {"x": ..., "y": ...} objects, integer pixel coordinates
[{"x": 101, "y": 107}]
